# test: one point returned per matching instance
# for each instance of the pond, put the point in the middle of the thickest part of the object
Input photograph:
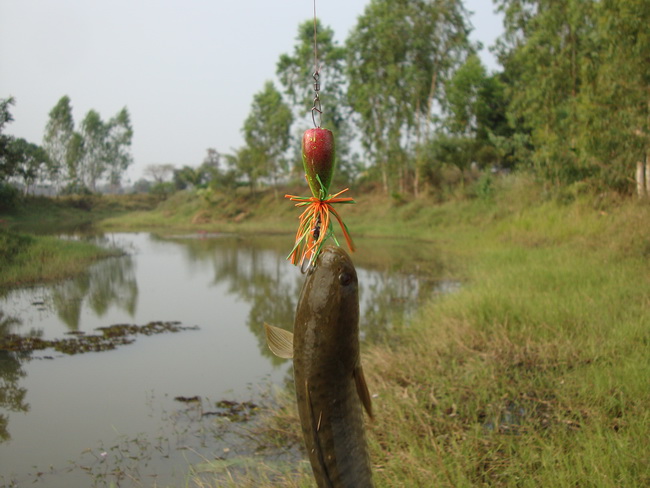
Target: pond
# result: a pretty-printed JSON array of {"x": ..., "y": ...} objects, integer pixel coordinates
[{"x": 149, "y": 406}]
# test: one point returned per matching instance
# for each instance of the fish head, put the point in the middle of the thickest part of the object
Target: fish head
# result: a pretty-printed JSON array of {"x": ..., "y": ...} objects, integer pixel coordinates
[
  {"x": 328, "y": 308},
  {"x": 332, "y": 282}
]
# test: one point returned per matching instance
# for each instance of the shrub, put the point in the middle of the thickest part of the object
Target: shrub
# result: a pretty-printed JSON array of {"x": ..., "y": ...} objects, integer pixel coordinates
[{"x": 9, "y": 197}]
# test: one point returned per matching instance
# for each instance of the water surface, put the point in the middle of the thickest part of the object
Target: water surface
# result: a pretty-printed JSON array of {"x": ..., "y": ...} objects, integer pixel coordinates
[{"x": 69, "y": 420}]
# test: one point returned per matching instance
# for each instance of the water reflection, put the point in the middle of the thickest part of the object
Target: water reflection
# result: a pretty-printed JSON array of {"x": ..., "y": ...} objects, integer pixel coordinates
[
  {"x": 394, "y": 277},
  {"x": 228, "y": 286},
  {"x": 108, "y": 282},
  {"x": 256, "y": 274},
  {"x": 12, "y": 395}
]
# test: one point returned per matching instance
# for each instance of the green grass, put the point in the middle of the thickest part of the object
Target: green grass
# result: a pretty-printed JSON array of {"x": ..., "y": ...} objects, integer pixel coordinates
[
  {"x": 41, "y": 215},
  {"x": 28, "y": 259},
  {"x": 28, "y": 255},
  {"x": 536, "y": 372},
  {"x": 188, "y": 211}
]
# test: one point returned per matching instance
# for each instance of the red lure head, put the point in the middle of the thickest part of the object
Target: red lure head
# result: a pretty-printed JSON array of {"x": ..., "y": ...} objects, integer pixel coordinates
[{"x": 319, "y": 160}]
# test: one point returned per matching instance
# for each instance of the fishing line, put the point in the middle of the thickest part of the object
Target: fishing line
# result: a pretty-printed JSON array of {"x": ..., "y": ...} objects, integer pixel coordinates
[
  {"x": 316, "y": 108},
  {"x": 319, "y": 160}
]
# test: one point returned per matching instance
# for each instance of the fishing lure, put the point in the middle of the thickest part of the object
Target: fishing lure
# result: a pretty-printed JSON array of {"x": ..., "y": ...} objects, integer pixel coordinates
[{"x": 316, "y": 224}]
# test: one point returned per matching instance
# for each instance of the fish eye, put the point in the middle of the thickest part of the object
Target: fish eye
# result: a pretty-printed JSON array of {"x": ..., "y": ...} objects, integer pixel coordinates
[{"x": 345, "y": 278}]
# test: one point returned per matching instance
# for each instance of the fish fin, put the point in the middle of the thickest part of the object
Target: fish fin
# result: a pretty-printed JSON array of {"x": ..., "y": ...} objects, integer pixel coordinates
[
  {"x": 362, "y": 389},
  {"x": 280, "y": 341}
]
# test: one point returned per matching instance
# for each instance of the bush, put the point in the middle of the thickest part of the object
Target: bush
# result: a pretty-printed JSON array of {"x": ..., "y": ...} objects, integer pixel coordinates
[
  {"x": 11, "y": 244},
  {"x": 76, "y": 188},
  {"x": 163, "y": 190},
  {"x": 485, "y": 186},
  {"x": 9, "y": 197}
]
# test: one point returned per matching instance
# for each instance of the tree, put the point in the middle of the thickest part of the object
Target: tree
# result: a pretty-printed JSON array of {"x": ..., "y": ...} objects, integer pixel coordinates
[
  {"x": 119, "y": 137},
  {"x": 141, "y": 186},
  {"x": 19, "y": 159},
  {"x": 95, "y": 149},
  {"x": 448, "y": 150},
  {"x": 213, "y": 175},
  {"x": 187, "y": 177},
  {"x": 211, "y": 162},
  {"x": 6, "y": 162},
  {"x": 98, "y": 150},
  {"x": 245, "y": 163},
  {"x": 463, "y": 97},
  {"x": 266, "y": 131},
  {"x": 74, "y": 158},
  {"x": 474, "y": 115},
  {"x": 544, "y": 49},
  {"x": 399, "y": 55},
  {"x": 29, "y": 162},
  {"x": 58, "y": 134},
  {"x": 5, "y": 114},
  {"x": 615, "y": 101},
  {"x": 159, "y": 172}
]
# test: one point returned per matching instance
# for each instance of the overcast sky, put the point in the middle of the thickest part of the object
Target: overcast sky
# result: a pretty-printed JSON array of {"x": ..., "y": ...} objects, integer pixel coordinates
[{"x": 186, "y": 70}]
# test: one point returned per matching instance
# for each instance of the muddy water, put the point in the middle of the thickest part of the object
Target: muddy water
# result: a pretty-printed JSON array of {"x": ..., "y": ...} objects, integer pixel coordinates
[{"x": 122, "y": 416}]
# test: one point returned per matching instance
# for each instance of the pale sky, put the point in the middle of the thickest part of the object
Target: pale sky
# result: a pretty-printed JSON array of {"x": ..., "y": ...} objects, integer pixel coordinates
[{"x": 186, "y": 70}]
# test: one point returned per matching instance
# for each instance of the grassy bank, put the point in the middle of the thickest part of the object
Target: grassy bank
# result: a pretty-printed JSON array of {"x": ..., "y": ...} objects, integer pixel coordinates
[
  {"x": 29, "y": 259},
  {"x": 41, "y": 215},
  {"x": 535, "y": 373},
  {"x": 28, "y": 256}
]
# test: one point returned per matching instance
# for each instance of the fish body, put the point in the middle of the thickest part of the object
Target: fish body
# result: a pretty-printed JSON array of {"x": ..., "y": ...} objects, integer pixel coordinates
[{"x": 331, "y": 391}]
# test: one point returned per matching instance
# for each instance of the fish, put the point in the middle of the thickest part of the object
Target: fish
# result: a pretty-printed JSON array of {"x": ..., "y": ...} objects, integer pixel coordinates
[{"x": 331, "y": 390}]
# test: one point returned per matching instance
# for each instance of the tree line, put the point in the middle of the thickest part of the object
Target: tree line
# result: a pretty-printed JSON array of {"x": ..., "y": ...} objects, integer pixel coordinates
[
  {"x": 71, "y": 160},
  {"x": 571, "y": 103},
  {"x": 409, "y": 101}
]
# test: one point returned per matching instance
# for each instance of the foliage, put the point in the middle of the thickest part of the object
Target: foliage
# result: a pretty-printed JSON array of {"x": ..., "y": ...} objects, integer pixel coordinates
[
  {"x": 35, "y": 259},
  {"x": 577, "y": 80},
  {"x": 75, "y": 188},
  {"x": 186, "y": 177},
  {"x": 5, "y": 114},
  {"x": 57, "y": 140},
  {"x": 9, "y": 197},
  {"x": 159, "y": 172},
  {"x": 443, "y": 149},
  {"x": 571, "y": 101},
  {"x": 475, "y": 103},
  {"x": 92, "y": 163},
  {"x": 245, "y": 164},
  {"x": 296, "y": 72},
  {"x": 141, "y": 186},
  {"x": 399, "y": 56},
  {"x": 98, "y": 150},
  {"x": 5, "y": 118},
  {"x": 6, "y": 163},
  {"x": 162, "y": 190},
  {"x": 118, "y": 140},
  {"x": 266, "y": 131},
  {"x": 29, "y": 162},
  {"x": 615, "y": 106},
  {"x": 20, "y": 160}
]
